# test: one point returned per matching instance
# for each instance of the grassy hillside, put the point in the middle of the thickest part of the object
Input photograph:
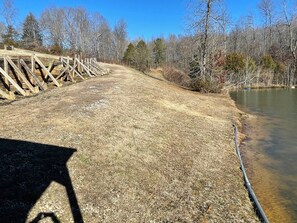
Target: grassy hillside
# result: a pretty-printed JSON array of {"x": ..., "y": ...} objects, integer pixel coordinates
[{"x": 147, "y": 151}]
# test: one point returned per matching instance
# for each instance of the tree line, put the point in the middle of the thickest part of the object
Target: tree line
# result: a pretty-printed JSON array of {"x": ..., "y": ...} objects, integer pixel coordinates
[
  {"x": 65, "y": 30},
  {"x": 216, "y": 52}
]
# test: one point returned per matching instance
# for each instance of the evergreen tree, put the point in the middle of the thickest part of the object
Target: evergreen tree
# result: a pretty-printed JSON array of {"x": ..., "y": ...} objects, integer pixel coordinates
[
  {"x": 141, "y": 56},
  {"x": 129, "y": 55},
  {"x": 159, "y": 52},
  {"x": 31, "y": 32},
  {"x": 10, "y": 36}
]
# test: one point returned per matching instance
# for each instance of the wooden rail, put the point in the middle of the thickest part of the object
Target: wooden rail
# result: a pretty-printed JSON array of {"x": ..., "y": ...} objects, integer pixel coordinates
[{"x": 24, "y": 72}]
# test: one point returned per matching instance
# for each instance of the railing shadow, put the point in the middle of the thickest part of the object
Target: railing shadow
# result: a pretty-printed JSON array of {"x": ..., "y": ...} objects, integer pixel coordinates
[{"x": 26, "y": 170}]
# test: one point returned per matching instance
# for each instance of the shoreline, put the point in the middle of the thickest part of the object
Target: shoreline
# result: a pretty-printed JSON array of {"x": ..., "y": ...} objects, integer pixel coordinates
[
  {"x": 255, "y": 161},
  {"x": 234, "y": 89}
]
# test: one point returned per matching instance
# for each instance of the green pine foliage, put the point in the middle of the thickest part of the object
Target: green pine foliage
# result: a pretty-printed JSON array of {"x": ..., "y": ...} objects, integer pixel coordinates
[
  {"x": 159, "y": 52},
  {"x": 235, "y": 62},
  {"x": 129, "y": 55},
  {"x": 31, "y": 36},
  {"x": 10, "y": 36},
  {"x": 267, "y": 62},
  {"x": 137, "y": 56},
  {"x": 141, "y": 56},
  {"x": 279, "y": 72}
]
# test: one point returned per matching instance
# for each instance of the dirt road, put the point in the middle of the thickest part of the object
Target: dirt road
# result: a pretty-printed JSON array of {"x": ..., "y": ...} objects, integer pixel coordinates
[{"x": 121, "y": 148}]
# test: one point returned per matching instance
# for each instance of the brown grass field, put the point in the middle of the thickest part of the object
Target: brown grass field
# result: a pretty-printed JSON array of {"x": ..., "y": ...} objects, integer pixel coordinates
[{"x": 145, "y": 151}]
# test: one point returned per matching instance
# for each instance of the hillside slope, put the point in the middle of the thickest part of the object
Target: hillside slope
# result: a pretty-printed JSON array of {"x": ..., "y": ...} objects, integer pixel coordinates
[{"x": 147, "y": 151}]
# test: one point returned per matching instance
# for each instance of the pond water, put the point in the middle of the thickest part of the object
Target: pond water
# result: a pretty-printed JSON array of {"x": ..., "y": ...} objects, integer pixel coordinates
[{"x": 270, "y": 151}]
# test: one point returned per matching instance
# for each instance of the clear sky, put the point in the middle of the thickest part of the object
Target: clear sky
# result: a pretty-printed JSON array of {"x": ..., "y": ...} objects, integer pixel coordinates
[{"x": 145, "y": 18}]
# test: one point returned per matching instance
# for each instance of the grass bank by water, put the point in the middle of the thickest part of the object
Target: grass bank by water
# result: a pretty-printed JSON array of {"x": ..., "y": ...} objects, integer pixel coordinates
[{"x": 146, "y": 151}]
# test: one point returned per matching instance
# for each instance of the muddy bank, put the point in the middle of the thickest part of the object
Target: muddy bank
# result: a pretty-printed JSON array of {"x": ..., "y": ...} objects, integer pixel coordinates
[{"x": 132, "y": 148}]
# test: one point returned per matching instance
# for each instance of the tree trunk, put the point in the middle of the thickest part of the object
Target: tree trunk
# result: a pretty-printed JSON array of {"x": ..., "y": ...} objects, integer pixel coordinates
[{"x": 205, "y": 39}]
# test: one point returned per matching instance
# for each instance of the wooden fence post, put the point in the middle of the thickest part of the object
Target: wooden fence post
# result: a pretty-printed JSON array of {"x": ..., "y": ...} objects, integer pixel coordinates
[
  {"x": 19, "y": 89},
  {"x": 32, "y": 64},
  {"x": 32, "y": 74},
  {"x": 8, "y": 95},
  {"x": 47, "y": 72},
  {"x": 6, "y": 69},
  {"x": 21, "y": 75}
]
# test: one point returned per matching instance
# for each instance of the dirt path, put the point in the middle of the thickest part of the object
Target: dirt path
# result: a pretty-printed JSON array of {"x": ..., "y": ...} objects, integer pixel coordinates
[{"x": 146, "y": 151}]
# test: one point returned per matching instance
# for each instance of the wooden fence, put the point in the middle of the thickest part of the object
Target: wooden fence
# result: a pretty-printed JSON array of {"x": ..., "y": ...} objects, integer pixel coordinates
[{"x": 24, "y": 73}]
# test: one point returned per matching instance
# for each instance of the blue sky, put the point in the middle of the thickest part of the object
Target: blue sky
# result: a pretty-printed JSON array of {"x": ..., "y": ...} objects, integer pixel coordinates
[{"x": 145, "y": 18}]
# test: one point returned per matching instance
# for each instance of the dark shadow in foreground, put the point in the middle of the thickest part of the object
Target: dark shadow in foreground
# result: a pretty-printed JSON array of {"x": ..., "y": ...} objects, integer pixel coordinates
[{"x": 26, "y": 170}]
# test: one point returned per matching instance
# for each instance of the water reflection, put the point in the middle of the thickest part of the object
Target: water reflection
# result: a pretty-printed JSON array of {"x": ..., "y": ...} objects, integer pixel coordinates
[{"x": 271, "y": 152}]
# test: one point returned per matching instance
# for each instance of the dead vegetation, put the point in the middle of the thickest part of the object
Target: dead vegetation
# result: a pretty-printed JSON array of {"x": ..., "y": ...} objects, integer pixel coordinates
[
  {"x": 177, "y": 76},
  {"x": 146, "y": 151}
]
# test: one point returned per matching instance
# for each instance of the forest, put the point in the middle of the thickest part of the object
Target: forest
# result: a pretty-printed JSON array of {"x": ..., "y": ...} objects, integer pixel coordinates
[{"x": 214, "y": 53}]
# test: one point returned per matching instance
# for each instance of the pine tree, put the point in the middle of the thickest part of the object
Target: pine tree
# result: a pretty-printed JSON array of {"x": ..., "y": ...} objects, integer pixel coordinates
[
  {"x": 141, "y": 56},
  {"x": 159, "y": 52},
  {"x": 31, "y": 32},
  {"x": 10, "y": 37},
  {"x": 129, "y": 55}
]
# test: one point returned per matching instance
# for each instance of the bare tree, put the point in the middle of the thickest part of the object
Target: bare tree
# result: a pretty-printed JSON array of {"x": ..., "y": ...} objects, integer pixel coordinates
[
  {"x": 9, "y": 12},
  {"x": 208, "y": 21},
  {"x": 205, "y": 17},
  {"x": 105, "y": 42},
  {"x": 83, "y": 27},
  {"x": 120, "y": 38},
  {"x": 52, "y": 23},
  {"x": 290, "y": 22},
  {"x": 266, "y": 9},
  {"x": 71, "y": 29},
  {"x": 2, "y": 30},
  {"x": 171, "y": 54},
  {"x": 96, "y": 22}
]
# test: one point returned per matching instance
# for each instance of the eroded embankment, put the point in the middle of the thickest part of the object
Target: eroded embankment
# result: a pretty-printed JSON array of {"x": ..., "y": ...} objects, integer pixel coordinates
[{"x": 147, "y": 151}]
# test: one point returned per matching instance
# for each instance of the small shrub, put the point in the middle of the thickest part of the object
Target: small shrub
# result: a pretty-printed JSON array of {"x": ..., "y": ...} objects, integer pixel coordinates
[
  {"x": 56, "y": 49},
  {"x": 206, "y": 86},
  {"x": 194, "y": 69},
  {"x": 196, "y": 84},
  {"x": 279, "y": 72},
  {"x": 280, "y": 68},
  {"x": 267, "y": 62},
  {"x": 176, "y": 76},
  {"x": 251, "y": 64},
  {"x": 235, "y": 62}
]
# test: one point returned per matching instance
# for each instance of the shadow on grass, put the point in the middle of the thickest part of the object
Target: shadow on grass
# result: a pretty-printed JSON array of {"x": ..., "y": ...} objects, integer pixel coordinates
[{"x": 26, "y": 170}]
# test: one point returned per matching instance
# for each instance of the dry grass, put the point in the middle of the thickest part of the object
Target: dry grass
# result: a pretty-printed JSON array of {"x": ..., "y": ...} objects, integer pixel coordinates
[
  {"x": 177, "y": 76},
  {"x": 147, "y": 151}
]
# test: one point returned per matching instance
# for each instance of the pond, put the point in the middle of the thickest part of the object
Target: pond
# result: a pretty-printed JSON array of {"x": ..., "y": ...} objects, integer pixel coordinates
[{"x": 270, "y": 150}]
